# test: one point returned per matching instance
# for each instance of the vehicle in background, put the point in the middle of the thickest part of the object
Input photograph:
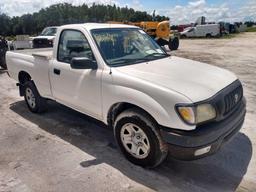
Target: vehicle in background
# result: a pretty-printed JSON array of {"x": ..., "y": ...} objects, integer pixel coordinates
[
  {"x": 3, "y": 50},
  {"x": 155, "y": 103},
  {"x": 227, "y": 28},
  {"x": 22, "y": 42},
  {"x": 240, "y": 27},
  {"x": 46, "y": 38},
  {"x": 207, "y": 30},
  {"x": 181, "y": 28},
  {"x": 159, "y": 31}
]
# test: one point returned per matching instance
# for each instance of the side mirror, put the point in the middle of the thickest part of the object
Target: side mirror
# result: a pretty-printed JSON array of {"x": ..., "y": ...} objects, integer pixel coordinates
[{"x": 83, "y": 63}]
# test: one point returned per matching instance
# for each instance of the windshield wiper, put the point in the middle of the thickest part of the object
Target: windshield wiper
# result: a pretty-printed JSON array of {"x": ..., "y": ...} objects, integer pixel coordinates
[
  {"x": 127, "y": 61},
  {"x": 156, "y": 54}
]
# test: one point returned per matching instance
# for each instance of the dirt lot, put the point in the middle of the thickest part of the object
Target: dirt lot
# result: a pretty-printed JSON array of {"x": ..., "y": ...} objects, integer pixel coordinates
[{"x": 63, "y": 150}]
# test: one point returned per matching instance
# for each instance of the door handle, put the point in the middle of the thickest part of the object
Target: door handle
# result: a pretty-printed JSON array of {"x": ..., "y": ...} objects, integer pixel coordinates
[{"x": 56, "y": 71}]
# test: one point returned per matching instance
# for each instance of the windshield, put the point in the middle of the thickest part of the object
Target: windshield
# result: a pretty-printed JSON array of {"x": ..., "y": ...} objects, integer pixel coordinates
[
  {"x": 188, "y": 29},
  {"x": 124, "y": 46},
  {"x": 49, "y": 31}
]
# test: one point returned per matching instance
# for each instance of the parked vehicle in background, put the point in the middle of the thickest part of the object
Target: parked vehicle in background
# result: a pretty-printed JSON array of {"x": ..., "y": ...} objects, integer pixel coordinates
[
  {"x": 119, "y": 75},
  {"x": 22, "y": 42},
  {"x": 181, "y": 28},
  {"x": 237, "y": 27},
  {"x": 240, "y": 27},
  {"x": 224, "y": 28},
  {"x": 159, "y": 31},
  {"x": 207, "y": 30},
  {"x": 3, "y": 50},
  {"x": 46, "y": 38}
]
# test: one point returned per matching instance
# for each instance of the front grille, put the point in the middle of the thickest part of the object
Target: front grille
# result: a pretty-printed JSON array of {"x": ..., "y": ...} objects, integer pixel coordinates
[{"x": 233, "y": 98}]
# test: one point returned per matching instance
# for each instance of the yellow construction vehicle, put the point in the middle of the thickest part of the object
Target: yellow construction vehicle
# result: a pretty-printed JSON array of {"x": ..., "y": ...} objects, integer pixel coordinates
[{"x": 160, "y": 31}]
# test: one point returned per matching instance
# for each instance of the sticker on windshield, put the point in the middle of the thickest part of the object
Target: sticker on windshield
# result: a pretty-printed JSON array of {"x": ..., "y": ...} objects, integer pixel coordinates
[
  {"x": 141, "y": 31},
  {"x": 150, "y": 51},
  {"x": 159, "y": 51}
]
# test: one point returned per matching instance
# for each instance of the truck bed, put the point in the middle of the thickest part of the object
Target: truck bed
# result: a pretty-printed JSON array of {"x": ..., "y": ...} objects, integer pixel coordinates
[
  {"x": 43, "y": 52},
  {"x": 35, "y": 62}
]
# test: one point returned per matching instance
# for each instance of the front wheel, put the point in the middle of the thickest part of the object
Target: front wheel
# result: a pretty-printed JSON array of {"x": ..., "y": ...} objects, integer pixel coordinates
[
  {"x": 139, "y": 139},
  {"x": 174, "y": 43},
  {"x": 35, "y": 102}
]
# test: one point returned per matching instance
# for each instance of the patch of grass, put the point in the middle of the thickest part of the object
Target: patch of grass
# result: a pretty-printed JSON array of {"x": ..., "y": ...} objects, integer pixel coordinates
[
  {"x": 229, "y": 36},
  {"x": 251, "y": 29}
]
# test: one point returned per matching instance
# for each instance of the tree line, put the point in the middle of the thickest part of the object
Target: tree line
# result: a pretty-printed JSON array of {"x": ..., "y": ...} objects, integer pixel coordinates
[{"x": 64, "y": 13}]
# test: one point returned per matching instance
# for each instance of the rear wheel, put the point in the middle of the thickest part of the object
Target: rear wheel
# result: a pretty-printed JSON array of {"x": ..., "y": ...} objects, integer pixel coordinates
[
  {"x": 208, "y": 35},
  {"x": 35, "y": 102},
  {"x": 139, "y": 139},
  {"x": 174, "y": 43},
  {"x": 3, "y": 62}
]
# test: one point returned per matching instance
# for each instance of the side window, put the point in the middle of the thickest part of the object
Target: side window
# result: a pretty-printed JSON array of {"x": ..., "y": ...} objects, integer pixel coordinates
[{"x": 73, "y": 44}]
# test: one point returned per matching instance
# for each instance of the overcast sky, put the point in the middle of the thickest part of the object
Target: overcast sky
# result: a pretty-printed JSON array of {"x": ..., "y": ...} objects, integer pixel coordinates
[{"x": 179, "y": 11}]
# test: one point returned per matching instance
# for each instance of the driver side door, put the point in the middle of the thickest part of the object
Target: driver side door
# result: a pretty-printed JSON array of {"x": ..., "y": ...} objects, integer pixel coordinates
[{"x": 79, "y": 89}]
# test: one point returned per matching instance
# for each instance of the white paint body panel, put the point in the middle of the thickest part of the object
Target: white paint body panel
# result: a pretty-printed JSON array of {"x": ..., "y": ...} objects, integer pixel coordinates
[
  {"x": 202, "y": 30},
  {"x": 156, "y": 86}
]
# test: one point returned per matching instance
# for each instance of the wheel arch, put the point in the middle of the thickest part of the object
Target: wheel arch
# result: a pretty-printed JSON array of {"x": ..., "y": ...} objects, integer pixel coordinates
[
  {"x": 23, "y": 77},
  {"x": 119, "y": 107}
]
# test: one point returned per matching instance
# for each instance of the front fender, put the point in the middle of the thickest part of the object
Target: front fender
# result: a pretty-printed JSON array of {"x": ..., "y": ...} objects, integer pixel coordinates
[{"x": 163, "y": 112}]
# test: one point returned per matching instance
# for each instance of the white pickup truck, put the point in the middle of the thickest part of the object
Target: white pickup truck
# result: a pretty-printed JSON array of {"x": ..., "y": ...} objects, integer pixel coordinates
[
  {"x": 155, "y": 103},
  {"x": 46, "y": 38}
]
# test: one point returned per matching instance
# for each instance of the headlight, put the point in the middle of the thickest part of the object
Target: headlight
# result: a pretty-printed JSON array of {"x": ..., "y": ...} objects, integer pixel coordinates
[{"x": 197, "y": 114}]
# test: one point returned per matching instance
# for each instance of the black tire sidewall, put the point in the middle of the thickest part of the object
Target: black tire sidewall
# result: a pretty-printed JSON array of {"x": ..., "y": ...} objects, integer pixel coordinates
[
  {"x": 173, "y": 44},
  {"x": 153, "y": 156}
]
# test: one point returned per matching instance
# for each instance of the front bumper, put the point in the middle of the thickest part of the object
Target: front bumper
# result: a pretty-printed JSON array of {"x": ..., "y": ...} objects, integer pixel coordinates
[{"x": 205, "y": 139}]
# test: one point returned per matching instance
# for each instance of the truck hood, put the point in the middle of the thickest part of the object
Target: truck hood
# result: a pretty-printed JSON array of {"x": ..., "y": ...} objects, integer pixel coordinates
[{"x": 197, "y": 81}]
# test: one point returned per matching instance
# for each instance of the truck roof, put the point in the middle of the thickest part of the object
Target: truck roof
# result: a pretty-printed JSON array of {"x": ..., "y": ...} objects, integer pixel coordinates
[{"x": 90, "y": 26}]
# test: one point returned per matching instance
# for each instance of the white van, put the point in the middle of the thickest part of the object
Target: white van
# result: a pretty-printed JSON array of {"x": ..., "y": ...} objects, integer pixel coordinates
[{"x": 208, "y": 30}]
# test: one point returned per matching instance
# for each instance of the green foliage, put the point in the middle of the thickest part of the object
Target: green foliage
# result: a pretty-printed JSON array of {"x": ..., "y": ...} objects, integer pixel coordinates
[
  {"x": 65, "y": 13},
  {"x": 249, "y": 23},
  {"x": 251, "y": 29}
]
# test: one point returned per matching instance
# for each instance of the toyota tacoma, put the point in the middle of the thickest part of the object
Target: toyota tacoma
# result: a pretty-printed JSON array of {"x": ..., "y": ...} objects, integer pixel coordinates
[{"x": 156, "y": 103}]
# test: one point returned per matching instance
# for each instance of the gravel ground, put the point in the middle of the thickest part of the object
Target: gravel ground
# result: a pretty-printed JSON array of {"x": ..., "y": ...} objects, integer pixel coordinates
[{"x": 63, "y": 150}]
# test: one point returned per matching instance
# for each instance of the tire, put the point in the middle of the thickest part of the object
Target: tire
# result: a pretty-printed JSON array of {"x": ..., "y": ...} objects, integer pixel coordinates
[
  {"x": 183, "y": 36},
  {"x": 174, "y": 43},
  {"x": 35, "y": 102},
  {"x": 208, "y": 35},
  {"x": 4, "y": 66},
  {"x": 161, "y": 42},
  {"x": 3, "y": 62},
  {"x": 155, "y": 149}
]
